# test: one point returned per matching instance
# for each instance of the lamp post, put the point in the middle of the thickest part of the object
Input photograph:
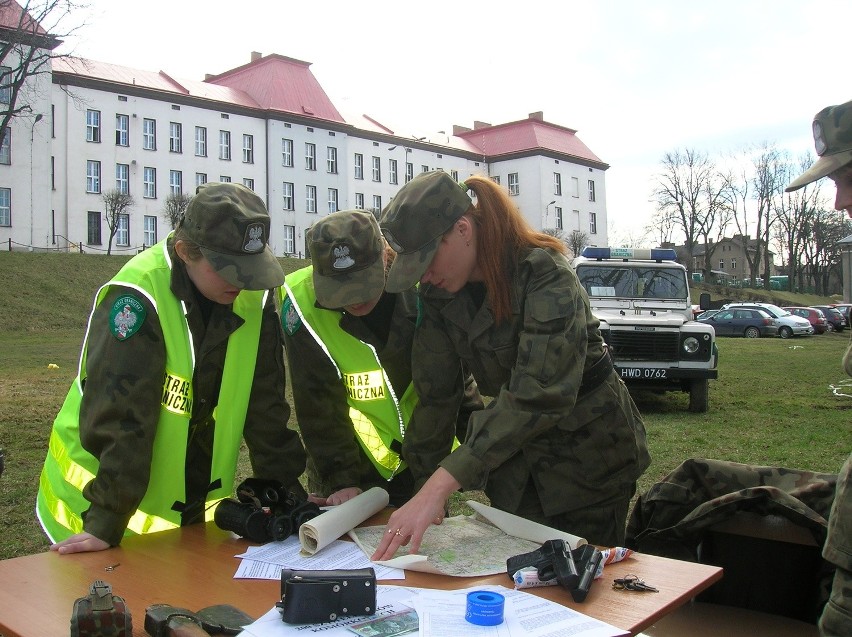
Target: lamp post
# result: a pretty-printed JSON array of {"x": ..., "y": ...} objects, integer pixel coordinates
[
  {"x": 32, "y": 138},
  {"x": 546, "y": 211}
]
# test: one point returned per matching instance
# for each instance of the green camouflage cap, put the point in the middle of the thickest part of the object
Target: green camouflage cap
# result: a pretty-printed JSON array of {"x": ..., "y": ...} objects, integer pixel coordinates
[
  {"x": 346, "y": 249},
  {"x": 230, "y": 224},
  {"x": 833, "y": 141},
  {"x": 415, "y": 220}
]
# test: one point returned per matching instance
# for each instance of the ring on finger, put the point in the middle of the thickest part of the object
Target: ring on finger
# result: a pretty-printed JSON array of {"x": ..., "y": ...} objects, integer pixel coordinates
[{"x": 398, "y": 533}]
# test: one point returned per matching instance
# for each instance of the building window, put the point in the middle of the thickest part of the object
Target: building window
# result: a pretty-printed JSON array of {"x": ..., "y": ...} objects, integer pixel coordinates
[
  {"x": 175, "y": 137},
  {"x": 310, "y": 156},
  {"x": 149, "y": 230},
  {"x": 409, "y": 171},
  {"x": 331, "y": 160},
  {"x": 225, "y": 179},
  {"x": 5, "y": 207},
  {"x": 332, "y": 200},
  {"x": 248, "y": 183},
  {"x": 6, "y": 147},
  {"x": 149, "y": 134},
  {"x": 149, "y": 182},
  {"x": 176, "y": 182},
  {"x": 93, "y": 176},
  {"x": 514, "y": 186},
  {"x": 591, "y": 190},
  {"x": 557, "y": 184},
  {"x": 359, "y": 200},
  {"x": 93, "y": 228},
  {"x": 377, "y": 169},
  {"x": 593, "y": 223},
  {"x": 200, "y": 141},
  {"x": 721, "y": 264},
  {"x": 200, "y": 178},
  {"x": 287, "y": 152},
  {"x": 310, "y": 198},
  {"x": 5, "y": 85},
  {"x": 359, "y": 166},
  {"x": 289, "y": 239},
  {"x": 377, "y": 205},
  {"x": 455, "y": 175},
  {"x": 248, "y": 149},
  {"x": 93, "y": 126},
  {"x": 425, "y": 169},
  {"x": 122, "y": 230},
  {"x": 122, "y": 178},
  {"x": 289, "y": 195},
  {"x": 122, "y": 130},
  {"x": 225, "y": 145},
  {"x": 496, "y": 179},
  {"x": 575, "y": 186},
  {"x": 558, "y": 218},
  {"x": 393, "y": 172},
  {"x": 733, "y": 264}
]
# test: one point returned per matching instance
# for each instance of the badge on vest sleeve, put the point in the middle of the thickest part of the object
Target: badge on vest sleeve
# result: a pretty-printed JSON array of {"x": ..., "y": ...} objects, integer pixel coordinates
[
  {"x": 126, "y": 316},
  {"x": 290, "y": 319}
]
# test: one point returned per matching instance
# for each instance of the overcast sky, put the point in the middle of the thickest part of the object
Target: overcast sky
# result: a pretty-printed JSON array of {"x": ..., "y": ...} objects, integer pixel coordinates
[{"x": 635, "y": 79}]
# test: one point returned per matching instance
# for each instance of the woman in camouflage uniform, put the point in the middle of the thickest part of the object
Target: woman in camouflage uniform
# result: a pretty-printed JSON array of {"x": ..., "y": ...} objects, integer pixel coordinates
[
  {"x": 832, "y": 129},
  {"x": 562, "y": 442},
  {"x": 182, "y": 359}
]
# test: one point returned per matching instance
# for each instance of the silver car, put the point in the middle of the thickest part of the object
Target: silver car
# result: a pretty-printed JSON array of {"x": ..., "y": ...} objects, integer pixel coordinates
[{"x": 789, "y": 325}]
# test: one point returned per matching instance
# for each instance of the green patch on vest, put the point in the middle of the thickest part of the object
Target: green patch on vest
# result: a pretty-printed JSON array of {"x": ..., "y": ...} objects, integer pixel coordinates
[
  {"x": 126, "y": 316},
  {"x": 290, "y": 319}
]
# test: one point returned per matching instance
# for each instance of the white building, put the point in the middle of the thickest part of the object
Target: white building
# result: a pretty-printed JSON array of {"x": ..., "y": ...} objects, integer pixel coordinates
[{"x": 267, "y": 124}]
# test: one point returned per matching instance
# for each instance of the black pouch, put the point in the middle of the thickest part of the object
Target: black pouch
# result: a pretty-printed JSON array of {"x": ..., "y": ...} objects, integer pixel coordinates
[
  {"x": 101, "y": 614},
  {"x": 313, "y": 597}
]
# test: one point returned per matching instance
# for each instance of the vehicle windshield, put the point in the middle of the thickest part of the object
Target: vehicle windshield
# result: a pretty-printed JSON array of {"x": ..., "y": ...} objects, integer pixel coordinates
[
  {"x": 637, "y": 283},
  {"x": 775, "y": 310}
]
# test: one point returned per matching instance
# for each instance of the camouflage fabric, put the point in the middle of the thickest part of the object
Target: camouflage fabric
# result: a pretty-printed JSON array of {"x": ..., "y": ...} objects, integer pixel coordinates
[
  {"x": 578, "y": 449},
  {"x": 101, "y": 614},
  {"x": 231, "y": 225},
  {"x": 836, "y": 619},
  {"x": 832, "y": 128},
  {"x": 414, "y": 221},
  {"x": 121, "y": 406},
  {"x": 346, "y": 252}
]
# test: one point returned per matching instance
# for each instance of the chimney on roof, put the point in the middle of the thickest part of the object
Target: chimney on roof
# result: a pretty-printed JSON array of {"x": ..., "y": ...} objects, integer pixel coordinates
[
  {"x": 477, "y": 125},
  {"x": 207, "y": 76},
  {"x": 256, "y": 55},
  {"x": 458, "y": 130},
  {"x": 538, "y": 115}
]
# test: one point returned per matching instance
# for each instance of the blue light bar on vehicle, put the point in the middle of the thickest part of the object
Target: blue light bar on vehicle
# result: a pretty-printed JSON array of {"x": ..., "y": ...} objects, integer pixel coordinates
[{"x": 654, "y": 254}]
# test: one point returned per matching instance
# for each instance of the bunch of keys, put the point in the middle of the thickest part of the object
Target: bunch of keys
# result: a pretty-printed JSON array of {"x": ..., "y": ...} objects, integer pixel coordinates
[{"x": 632, "y": 583}]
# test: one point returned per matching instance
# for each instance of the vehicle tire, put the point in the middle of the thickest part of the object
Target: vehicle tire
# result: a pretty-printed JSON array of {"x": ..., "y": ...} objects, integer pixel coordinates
[
  {"x": 699, "y": 396},
  {"x": 829, "y": 328},
  {"x": 785, "y": 332},
  {"x": 752, "y": 332}
]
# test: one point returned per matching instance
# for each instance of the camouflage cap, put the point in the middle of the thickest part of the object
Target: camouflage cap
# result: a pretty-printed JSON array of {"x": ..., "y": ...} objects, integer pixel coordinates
[
  {"x": 833, "y": 141},
  {"x": 230, "y": 224},
  {"x": 346, "y": 249},
  {"x": 415, "y": 220}
]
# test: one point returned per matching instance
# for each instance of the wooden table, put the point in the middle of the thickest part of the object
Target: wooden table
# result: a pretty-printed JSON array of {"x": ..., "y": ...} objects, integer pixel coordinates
[{"x": 193, "y": 567}]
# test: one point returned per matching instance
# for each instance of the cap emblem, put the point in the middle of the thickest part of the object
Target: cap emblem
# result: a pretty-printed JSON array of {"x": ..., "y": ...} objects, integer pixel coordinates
[
  {"x": 819, "y": 139},
  {"x": 254, "y": 238},
  {"x": 342, "y": 260}
]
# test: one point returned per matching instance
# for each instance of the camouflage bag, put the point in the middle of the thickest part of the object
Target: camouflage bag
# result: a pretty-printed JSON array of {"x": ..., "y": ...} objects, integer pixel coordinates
[{"x": 101, "y": 614}]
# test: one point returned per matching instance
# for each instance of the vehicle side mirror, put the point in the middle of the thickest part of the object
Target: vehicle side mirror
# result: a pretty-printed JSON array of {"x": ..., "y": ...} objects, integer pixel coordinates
[{"x": 704, "y": 301}]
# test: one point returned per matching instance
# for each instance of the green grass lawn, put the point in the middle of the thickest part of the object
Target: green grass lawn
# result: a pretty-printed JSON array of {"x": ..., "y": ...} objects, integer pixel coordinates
[{"x": 776, "y": 402}]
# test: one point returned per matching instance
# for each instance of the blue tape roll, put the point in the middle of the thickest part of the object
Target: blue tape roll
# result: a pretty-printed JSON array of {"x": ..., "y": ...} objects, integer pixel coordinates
[{"x": 485, "y": 608}]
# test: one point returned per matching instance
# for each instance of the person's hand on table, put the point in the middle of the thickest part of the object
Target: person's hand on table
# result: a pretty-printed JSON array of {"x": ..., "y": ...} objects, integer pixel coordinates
[
  {"x": 338, "y": 497},
  {"x": 408, "y": 523},
  {"x": 80, "y": 543}
]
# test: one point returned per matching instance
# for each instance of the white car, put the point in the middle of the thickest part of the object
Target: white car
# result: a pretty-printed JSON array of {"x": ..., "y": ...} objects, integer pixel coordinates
[{"x": 789, "y": 325}]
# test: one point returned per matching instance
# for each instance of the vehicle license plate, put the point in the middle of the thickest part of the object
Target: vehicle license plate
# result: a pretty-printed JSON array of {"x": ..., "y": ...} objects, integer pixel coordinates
[{"x": 642, "y": 373}]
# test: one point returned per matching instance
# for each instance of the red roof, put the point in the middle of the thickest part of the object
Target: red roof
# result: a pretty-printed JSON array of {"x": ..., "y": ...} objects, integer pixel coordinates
[
  {"x": 280, "y": 83},
  {"x": 527, "y": 135},
  {"x": 12, "y": 16}
]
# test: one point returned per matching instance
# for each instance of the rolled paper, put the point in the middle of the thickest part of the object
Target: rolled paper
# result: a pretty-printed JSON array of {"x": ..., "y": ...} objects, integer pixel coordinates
[{"x": 319, "y": 532}]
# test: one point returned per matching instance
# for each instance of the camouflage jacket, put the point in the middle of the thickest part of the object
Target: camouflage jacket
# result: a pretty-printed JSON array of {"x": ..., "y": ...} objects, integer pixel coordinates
[
  {"x": 579, "y": 449},
  {"x": 121, "y": 405},
  {"x": 837, "y": 617}
]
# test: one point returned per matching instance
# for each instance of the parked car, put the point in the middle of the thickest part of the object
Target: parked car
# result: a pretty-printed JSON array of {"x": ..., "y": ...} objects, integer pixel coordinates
[
  {"x": 706, "y": 314},
  {"x": 788, "y": 324},
  {"x": 739, "y": 321},
  {"x": 835, "y": 318},
  {"x": 814, "y": 315},
  {"x": 846, "y": 311}
]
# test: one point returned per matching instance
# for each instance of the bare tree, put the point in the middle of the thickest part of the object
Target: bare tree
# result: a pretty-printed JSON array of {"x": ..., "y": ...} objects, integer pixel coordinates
[
  {"x": 576, "y": 241},
  {"x": 175, "y": 205},
  {"x": 29, "y": 33},
  {"x": 116, "y": 203}
]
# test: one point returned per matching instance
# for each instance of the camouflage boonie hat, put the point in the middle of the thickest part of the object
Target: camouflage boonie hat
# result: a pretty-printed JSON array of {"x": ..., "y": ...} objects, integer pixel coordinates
[
  {"x": 346, "y": 249},
  {"x": 416, "y": 219},
  {"x": 833, "y": 141},
  {"x": 230, "y": 224}
]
